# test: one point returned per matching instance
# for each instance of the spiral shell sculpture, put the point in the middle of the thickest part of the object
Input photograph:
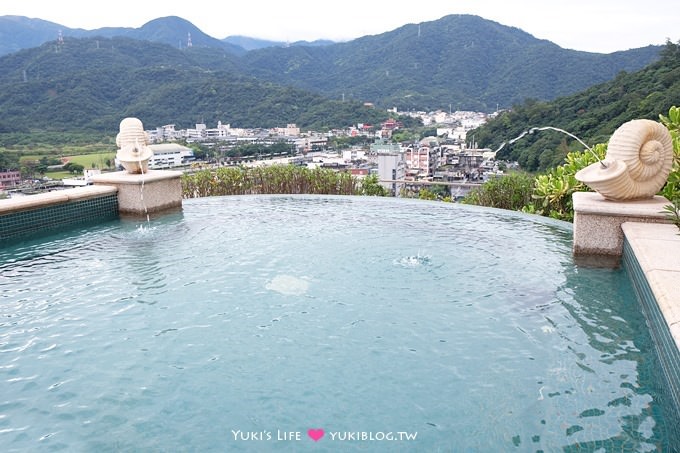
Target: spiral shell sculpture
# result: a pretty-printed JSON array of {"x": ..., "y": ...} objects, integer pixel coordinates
[
  {"x": 132, "y": 141},
  {"x": 638, "y": 161}
]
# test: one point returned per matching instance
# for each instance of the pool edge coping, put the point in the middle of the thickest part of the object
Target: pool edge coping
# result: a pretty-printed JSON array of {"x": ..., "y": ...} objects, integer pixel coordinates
[
  {"x": 656, "y": 247},
  {"x": 43, "y": 200}
]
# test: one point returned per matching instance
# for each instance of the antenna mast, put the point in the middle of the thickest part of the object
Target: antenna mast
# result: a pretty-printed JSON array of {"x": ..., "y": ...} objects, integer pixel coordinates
[{"x": 60, "y": 41}]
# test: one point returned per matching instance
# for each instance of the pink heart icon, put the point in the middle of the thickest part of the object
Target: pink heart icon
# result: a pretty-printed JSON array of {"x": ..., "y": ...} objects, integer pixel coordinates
[{"x": 315, "y": 434}]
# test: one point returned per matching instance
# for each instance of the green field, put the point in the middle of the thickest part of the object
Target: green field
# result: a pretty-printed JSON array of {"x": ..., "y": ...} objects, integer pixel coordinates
[
  {"x": 86, "y": 160},
  {"x": 59, "y": 174},
  {"x": 94, "y": 160}
]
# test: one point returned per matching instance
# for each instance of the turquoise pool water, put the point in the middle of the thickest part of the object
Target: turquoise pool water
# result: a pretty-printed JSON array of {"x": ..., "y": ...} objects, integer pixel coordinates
[{"x": 349, "y": 323}]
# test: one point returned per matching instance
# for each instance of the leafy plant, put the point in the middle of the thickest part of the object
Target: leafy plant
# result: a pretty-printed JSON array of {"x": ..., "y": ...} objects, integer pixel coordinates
[
  {"x": 672, "y": 188},
  {"x": 552, "y": 193},
  {"x": 426, "y": 194},
  {"x": 370, "y": 186},
  {"x": 512, "y": 191},
  {"x": 673, "y": 214}
]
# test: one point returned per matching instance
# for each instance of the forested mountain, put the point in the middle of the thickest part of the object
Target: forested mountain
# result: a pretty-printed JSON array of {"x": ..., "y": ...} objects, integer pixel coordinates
[
  {"x": 460, "y": 62},
  {"x": 91, "y": 84},
  {"x": 170, "y": 30},
  {"x": 17, "y": 32},
  {"x": 592, "y": 115}
]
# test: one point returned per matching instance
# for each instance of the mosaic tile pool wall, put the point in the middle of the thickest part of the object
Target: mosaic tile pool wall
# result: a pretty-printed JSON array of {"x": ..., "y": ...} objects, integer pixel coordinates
[
  {"x": 667, "y": 350},
  {"x": 17, "y": 225}
]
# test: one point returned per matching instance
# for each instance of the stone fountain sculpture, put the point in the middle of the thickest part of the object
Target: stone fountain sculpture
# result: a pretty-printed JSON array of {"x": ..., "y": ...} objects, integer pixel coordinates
[
  {"x": 638, "y": 161},
  {"x": 133, "y": 143}
]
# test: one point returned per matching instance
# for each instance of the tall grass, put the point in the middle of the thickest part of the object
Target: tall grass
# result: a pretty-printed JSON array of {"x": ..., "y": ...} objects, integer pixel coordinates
[{"x": 274, "y": 179}]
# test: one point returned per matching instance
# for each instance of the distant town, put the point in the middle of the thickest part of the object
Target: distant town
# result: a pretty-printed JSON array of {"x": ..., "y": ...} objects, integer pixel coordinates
[{"x": 450, "y": 159}]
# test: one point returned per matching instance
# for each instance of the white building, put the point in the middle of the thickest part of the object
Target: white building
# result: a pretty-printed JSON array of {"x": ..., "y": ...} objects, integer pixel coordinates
[
  {"x": 164, "y": 133},
  {"x": 391, "y": 169},
  {"x": 350, "y": 155},
  {"x": 169, "y": 155},
  {"x": 221, "y": 132},
  {"x": 199, "y": 133}
]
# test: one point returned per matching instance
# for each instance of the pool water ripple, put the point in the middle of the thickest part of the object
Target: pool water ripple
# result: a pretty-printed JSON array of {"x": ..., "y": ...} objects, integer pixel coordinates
[{"x": 469, "y": 326}]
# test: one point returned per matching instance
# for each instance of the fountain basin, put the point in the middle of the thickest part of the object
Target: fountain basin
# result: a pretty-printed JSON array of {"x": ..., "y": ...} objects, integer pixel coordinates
[{"x": 141, "y": 194}]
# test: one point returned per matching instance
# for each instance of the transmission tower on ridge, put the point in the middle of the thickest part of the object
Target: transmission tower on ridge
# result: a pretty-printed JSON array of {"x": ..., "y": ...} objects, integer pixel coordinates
[{"x": 60, "y": 41}]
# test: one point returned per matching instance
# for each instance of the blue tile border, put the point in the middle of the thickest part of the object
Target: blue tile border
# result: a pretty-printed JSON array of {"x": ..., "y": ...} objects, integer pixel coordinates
[
  {"x": 667, "y": 351},
  {"x": 21, "y": 224}
]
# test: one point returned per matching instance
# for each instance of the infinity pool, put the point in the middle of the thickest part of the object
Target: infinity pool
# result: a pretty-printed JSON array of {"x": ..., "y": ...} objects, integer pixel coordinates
[{"x": 312, "y": 323}]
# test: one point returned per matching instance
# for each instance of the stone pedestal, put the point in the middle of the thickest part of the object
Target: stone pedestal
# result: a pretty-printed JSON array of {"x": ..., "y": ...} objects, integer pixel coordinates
[
  {"x": 142, "y": 194},
  {"x": 597, "y": 222}
]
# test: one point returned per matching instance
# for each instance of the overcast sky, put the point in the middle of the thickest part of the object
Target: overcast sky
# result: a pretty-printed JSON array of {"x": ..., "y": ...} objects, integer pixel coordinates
[{"x": 590, "y": 25}]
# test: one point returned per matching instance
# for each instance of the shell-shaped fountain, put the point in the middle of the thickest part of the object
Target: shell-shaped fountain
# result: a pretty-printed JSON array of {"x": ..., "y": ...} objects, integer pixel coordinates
[
  {"x": 133, "y": 146},
  {"x": 638, "y": 161}
]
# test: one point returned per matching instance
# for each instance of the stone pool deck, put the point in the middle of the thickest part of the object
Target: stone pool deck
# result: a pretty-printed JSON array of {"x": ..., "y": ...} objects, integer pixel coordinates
[{"x": 657, "y": 249}]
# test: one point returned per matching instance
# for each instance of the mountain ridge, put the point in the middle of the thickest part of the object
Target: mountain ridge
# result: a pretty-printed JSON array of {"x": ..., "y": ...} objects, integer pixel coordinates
[
  {"x": 459, "y": 62},
  {"x": 466, "y": 62},
  {"x": 15, "y": 34},
  {"x": 47, "y": 30}
]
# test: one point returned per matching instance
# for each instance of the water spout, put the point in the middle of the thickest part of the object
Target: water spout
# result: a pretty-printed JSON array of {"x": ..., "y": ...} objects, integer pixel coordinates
[
  {"x": 141, "y": 187},
  {"x": 544, "y": 128}
]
